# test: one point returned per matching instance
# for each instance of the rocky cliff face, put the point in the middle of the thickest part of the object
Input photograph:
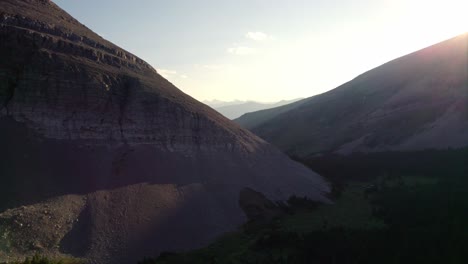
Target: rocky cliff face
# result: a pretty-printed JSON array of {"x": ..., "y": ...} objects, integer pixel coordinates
[
  {"x": 124, "y": 163},
  {"x": 71, "y": 84}
]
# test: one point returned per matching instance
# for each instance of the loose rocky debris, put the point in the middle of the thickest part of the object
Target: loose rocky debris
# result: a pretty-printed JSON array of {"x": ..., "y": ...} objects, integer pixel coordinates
[{"x": 38, "y": 228}]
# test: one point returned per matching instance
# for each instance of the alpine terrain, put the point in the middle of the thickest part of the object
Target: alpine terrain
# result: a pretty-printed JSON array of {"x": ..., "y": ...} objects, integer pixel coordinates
[
  {"x": 233, "y": 110},
  {"x": 103, "y": 159},
  {"x": 416, "y": 102}
]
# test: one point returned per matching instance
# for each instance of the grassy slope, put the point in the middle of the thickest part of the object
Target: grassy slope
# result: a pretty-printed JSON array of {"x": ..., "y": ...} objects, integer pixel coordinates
[{"x": 352, "y": 210}]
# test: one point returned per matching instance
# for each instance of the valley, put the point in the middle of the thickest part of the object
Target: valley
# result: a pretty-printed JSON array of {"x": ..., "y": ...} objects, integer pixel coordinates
[
  {"x": 104, "y": 160},
  {"x": 409, "y": 213}
]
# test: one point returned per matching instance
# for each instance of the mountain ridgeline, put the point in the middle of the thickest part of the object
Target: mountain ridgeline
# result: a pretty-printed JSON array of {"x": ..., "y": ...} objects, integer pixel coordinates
[
  {"x": 416, "y": 102},
  {"x": 105, "y": 160},
  {"x": 235, "y": 109}
]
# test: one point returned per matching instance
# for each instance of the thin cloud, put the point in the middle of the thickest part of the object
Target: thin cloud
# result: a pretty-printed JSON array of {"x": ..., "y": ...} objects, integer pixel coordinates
[
  {"x": 166, "y": 73},
  {"x": 213, "y": 67},
  {"x": 257, "y": 36},
  {"x": 171, "y": 74},
  {"x": 241, "y": 50}
]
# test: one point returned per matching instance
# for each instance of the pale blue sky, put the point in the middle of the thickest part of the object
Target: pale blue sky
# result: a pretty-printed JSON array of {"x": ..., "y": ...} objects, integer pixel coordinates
[{"x": 268, "y": 50}]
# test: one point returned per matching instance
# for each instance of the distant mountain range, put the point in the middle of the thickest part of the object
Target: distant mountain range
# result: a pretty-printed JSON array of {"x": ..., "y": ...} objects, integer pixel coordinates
[
  {"x": 416, "y": 102},
  {"x": 235, "y": 109},
  {"x": 219, "y": 103}
]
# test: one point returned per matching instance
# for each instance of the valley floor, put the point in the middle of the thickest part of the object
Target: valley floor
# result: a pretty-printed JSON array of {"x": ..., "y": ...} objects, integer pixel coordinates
[{"x": 389, "y": 208}]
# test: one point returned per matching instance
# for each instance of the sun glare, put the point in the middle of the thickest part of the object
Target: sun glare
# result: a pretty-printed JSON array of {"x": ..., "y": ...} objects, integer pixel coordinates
[{"x": 440, "y": 18}]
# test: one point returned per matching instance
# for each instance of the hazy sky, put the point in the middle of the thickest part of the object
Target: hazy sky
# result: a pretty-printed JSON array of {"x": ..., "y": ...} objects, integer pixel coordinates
[{"x": 268, "y": 50}]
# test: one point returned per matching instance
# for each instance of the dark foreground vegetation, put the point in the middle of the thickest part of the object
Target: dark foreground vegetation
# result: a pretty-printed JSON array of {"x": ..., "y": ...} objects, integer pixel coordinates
[
  {"x": 37, "y": 259},
  {"x": 389, "y": 208}
]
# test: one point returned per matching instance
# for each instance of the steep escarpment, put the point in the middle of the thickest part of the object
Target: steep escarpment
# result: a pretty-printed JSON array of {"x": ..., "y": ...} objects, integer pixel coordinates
[
  {"x": 93, "y": 131},
  {"x": 113, "y": 94},
  {"x": 416, "y": 102}
]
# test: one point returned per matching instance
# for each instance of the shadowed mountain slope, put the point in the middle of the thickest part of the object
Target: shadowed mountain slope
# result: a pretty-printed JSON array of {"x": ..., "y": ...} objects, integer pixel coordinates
[
  {"x": 236, "y": 110},
  {"x": 102, "y": 158},
  {"x": 415, "y": 102}
]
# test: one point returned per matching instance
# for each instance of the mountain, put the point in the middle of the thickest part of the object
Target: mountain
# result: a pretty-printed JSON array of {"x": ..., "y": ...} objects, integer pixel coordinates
[
  {"x": 103, "y": 159},
  {"x": 219, "y": 103},
  {"x": 416, "y": 102},
  {"x": 251, "y": 120},
  {"x": 235, "y": 109}
]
